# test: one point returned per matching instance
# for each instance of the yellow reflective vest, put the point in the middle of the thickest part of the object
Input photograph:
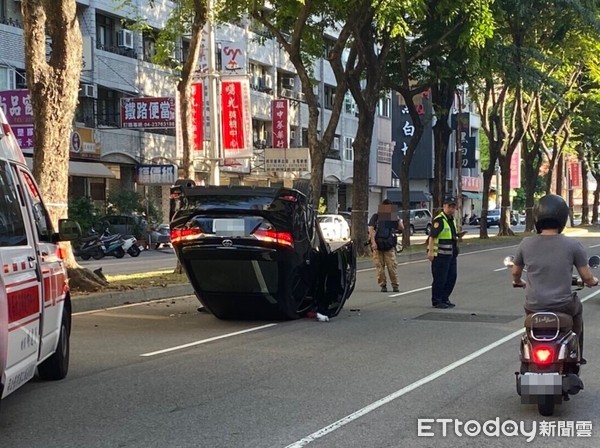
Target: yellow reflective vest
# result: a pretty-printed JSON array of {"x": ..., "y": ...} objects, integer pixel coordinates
[{"x": 444, "y": 243}]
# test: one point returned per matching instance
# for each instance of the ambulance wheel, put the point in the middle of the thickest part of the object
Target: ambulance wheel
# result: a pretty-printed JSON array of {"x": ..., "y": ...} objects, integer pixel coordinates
[
  {"x": 546, "y": 405},
  {"x": 57, "y": 366}
]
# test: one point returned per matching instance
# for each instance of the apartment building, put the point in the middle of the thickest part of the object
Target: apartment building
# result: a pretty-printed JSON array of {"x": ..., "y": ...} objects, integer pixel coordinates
[{"x": 106, "y": 157}]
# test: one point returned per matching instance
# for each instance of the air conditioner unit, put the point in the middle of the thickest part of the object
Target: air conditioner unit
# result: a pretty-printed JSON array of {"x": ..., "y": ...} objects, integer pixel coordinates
[
  {"x": 124, "y": 39},
  {"x": 268, "y": 82},
  {"x": 336, "y": 144},
  {"x": 88, "y": 91},
  {"x": 287, "y": 83}
]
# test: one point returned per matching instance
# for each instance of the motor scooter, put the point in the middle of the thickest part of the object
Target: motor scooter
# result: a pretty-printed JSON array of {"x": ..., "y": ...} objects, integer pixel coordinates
[
  {"x": 130, "y": 245},
  {"x": 550, "y": 356},
  {"x": 90, "y": 247},
  {"x": 112, "y": 245}
]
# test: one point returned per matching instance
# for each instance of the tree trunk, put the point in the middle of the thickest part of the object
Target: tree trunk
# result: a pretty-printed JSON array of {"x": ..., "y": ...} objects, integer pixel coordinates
[
  {"x": 585, "y": 206},
  {"x": 532, "y": 158},
  {"x": 184, "y": 89},
  {"x": 53, "y": 82}
]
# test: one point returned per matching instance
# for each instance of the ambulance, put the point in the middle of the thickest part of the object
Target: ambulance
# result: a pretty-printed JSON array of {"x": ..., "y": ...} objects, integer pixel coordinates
[{"x": 35, "y": 304}]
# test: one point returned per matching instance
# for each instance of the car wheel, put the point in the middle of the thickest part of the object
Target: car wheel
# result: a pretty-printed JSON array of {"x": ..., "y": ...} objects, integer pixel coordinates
[
  {"x": 428, "y": 229},
  {"x": 412, "y": 229},
  {"x": 57, "y": 366}
]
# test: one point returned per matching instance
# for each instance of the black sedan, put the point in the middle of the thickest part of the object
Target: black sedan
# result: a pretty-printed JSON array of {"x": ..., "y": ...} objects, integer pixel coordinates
[{"x": 258, "y": 252}]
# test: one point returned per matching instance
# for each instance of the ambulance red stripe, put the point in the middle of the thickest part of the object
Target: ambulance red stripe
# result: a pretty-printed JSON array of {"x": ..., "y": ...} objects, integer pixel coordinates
[{"x": 23, "y": 303}]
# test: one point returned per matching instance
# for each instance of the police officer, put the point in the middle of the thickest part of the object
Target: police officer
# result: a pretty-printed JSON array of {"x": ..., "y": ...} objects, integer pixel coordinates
[{"x": 442, "y": 251}]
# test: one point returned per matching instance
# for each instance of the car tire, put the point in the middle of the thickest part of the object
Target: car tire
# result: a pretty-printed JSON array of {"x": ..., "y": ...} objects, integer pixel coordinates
[
  {"x": 412, "y": 229},
  {"x": 57, "y": 365},
  {"x": 428, "y": 229}
]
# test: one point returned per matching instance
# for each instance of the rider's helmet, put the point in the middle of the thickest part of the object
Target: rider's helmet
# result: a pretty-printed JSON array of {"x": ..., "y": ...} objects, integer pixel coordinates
[{"x": 551, "y": 212}]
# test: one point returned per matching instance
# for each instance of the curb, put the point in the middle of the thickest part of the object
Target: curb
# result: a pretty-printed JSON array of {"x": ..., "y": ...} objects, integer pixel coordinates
[{"x": 101, "y": 300}]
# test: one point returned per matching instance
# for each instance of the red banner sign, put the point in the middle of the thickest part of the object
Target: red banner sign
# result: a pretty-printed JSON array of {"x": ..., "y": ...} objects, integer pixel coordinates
[
  {"x": 197, "y": 105},
  {"x": 140, "y": 113},
  {"x": 515, "y": 169},
  {"x": 471, "y": 184},
  {"x": 575, "y": 174},
  {"x": 236, "y": 121},
  {"x": 280, "y": 122}
]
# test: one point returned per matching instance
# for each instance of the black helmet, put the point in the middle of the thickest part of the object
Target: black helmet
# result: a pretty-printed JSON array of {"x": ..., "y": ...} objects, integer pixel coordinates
[{"x": 551, "y": 212}]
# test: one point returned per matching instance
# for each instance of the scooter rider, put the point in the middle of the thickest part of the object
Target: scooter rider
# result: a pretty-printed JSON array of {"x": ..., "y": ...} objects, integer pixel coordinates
[{"x": 549, "y": 258}]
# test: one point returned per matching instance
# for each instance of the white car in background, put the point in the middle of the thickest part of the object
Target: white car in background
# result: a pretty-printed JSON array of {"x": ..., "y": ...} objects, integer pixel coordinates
[{"x": 334, "y": 227}]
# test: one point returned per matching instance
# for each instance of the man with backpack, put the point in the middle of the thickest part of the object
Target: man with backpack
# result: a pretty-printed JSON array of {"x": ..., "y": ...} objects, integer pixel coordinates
[{"x": 383, "y": 228}]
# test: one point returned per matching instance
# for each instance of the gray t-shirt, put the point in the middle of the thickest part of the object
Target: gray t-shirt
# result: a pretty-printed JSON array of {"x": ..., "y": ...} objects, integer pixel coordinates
[{"x": 549, "y": 261}]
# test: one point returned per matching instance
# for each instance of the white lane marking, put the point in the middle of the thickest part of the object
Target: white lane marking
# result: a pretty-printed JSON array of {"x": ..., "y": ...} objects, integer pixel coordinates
[
  {"x": 501, "y": 269},
  {"x": 595, "y": 245},
  {"x": 399, "y": 393},
  {"x": 410, "y": 292},
  {"x": 129, "y": 305},
  {"x": 460, "y": 255},
  {"x": 204, "y": 341}
]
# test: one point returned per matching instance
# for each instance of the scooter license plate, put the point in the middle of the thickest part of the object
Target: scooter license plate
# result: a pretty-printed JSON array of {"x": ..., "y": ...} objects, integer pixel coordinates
[{"x": 541, "y": 384}]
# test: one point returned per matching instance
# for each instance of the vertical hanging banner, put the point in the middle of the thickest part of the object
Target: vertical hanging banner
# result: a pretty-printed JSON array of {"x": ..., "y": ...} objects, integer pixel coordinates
[
  {"x": 236, "y": 120},
  {"x": 197, "y": 105},
  {"x": 515, "y": 168},
  {"x": 280, "y": 122},
  {"x": 575, "y": 174}
]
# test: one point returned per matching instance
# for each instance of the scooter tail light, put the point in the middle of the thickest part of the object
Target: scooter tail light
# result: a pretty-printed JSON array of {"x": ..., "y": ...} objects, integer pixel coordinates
[
  {"x": 273, "y": 236},
  {"x": 179, "y": 235},
  {"x": 543, "y": 355}
]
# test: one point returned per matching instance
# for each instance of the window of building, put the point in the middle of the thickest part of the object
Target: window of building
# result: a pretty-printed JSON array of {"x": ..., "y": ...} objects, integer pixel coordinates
[
  {"x": 384, "y": 152},
  {"x": 329, "y": 96},
  {"x": 348, "y": 149},
  {"x": 105, "y": 32},
  {"x": 108, "y": 108},
  {"x": 384, "y": 106},
  {"x": 349, "y": 104}
]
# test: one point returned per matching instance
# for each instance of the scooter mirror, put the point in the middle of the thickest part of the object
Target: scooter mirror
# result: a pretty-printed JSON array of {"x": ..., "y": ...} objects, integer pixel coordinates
[
  {"x": 594, "y": 261},
  {"x": 510, "y": 260}
]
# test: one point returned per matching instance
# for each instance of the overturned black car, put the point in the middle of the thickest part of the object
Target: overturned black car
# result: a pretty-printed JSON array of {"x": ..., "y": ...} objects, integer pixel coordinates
[{"x": 257, "y": 252}]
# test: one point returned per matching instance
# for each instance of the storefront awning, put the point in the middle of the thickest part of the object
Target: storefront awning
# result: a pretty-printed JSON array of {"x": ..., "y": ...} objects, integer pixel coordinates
[
  {"x": 395, "y": 195},
  {"x": 83, "y": 169},
  {"x": 470, "y": 195}
]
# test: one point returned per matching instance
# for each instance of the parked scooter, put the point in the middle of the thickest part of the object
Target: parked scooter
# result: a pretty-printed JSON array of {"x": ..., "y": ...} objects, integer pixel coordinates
[
  {"x": 90, "y": 247},
  {"x": 129, "y": 242},
  {"x": 112, "y": 245},
  {"x": 550, "y": 356}
]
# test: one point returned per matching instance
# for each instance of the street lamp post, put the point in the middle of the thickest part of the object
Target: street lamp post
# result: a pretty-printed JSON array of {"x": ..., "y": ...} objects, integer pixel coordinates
[
  {"x": 459, "y": 158},
  {"x": 213, "y": 98}
]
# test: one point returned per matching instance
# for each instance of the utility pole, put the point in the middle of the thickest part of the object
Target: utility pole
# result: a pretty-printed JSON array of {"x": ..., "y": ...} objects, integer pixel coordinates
[
  {"x": 459, "y": 160},
  {"x": 213, "y": 98}
]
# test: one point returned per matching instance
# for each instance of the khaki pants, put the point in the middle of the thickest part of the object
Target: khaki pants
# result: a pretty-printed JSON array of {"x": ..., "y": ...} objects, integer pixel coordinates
[{"x": 382, "y": 260}]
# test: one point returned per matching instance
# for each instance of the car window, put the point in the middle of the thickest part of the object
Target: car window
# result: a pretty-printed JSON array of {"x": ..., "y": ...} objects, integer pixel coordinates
[
  {"x": 12, "y": 224},
  {"x": 41, "y": 218}
]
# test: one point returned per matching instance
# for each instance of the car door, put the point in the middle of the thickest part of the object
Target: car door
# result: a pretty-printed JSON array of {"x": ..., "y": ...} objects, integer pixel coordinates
[
  {"x": 20, "y": 286},
  {"x": 51, "y": 265}
]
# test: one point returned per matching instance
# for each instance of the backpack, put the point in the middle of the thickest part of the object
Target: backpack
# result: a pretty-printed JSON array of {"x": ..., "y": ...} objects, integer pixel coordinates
[{"x": 385, "y": 238}]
